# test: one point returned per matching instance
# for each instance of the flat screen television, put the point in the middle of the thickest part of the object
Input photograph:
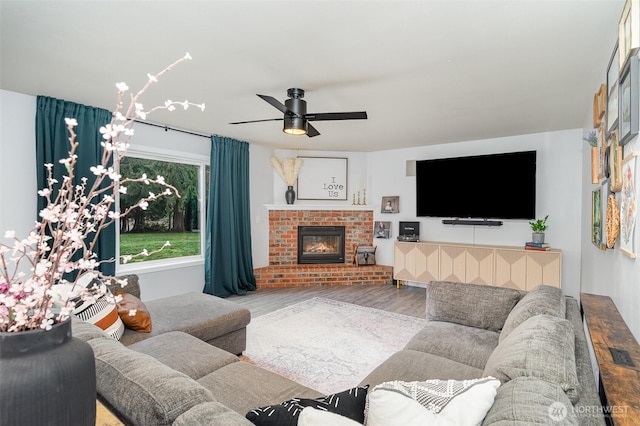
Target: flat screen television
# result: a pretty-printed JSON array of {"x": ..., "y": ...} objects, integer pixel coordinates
[{"x": 497, "y": 186}]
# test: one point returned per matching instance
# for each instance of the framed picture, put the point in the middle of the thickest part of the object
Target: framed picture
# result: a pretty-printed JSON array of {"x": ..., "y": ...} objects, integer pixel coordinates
[
  {"x": 596, "y": 217},
  {"x": 612, "y": 92},
  {"x": 604, "y": 158},
  {"x": 628, "y": 206},
  {"x": 390, "y": 204},
  {"x": 322, "y": 178},
  {"x": 628, "y": 31},
  {"x": 615, "y": 163},
  {"x": 599, "y": 105},
  {"x": 604, "y": 198},
  {"x": 602, "y": 146},
  {"x": 382, "y": 229},
  {"x": 628, "y": 94}
]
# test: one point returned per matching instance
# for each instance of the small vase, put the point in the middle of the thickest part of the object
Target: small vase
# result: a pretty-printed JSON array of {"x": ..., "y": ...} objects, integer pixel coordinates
[
  {"x": 290, "y": 195},
  {"x": 48, "y": 378},
  {"x": 538, "y": 237}
]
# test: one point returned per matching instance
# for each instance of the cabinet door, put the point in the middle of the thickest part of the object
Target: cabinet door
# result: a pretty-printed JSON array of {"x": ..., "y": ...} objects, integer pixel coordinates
[
  {"x": 479, "y": 265},
  {"x": 404, "y": 261},
  {"x": 543, "y": 268},
  {"x": 511, "y": 269},
  {"x": 453, "y": 263},
  {"x": 427, "y": 263}
]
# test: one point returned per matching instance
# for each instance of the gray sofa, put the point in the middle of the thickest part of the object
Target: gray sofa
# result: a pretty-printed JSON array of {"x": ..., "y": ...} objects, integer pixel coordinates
[{"x": 533, "y": 342}]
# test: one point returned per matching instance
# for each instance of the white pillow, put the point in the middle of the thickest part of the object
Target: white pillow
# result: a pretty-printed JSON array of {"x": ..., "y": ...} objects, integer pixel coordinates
[
  {"x": 387, "y": 407},
  {"x": 313, "y": 417}
]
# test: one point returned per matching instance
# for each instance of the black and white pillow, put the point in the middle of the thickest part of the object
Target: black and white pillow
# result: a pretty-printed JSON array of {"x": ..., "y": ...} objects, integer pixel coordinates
[{"x": 349, "y": 403}]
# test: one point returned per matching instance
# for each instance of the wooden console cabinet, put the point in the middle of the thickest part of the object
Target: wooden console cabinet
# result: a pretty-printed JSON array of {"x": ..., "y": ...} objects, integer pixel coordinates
[{"x": 501, "y": 266}]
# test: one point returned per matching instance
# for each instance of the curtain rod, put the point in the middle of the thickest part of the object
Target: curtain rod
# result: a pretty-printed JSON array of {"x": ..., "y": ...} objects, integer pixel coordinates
[{"x": 167, "y": 128}]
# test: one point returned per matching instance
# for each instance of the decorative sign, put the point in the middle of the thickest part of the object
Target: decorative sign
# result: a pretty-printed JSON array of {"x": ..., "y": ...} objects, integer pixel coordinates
[{"x": 322, "y": 178}]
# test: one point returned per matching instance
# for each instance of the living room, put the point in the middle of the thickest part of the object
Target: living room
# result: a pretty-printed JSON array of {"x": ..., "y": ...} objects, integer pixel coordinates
[{"x": 564, "y": 188}]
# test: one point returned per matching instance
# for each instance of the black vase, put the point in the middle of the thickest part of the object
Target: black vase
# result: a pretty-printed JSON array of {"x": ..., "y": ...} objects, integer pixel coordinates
[
  {"x": 48, "y": 378},
  {"x": 290, "y": 195}
]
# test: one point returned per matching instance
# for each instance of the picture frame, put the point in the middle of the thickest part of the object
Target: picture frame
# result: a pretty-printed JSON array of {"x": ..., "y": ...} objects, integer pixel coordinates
[
  {"x": 628, "y": 32},
  {"x": 612, "y": 92},
  {"x": 615, "y": 163},
  {"x": 390, "y": 204},
  {"x": 596, "y": 217},
  {"x": 604, "y": 194},
  {"x": 628, "y": 205},
  {"x": 599, "y": 105},
  {"x": 323, "y": 178},
  {"x": 629, "y": 101},
  {"x": 603, "y": 144},
  {"x": 382, "y": 229}
]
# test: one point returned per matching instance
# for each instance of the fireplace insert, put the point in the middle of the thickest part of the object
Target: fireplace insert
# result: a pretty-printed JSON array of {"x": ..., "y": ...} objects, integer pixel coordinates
[{"x": 320, "y": 244}]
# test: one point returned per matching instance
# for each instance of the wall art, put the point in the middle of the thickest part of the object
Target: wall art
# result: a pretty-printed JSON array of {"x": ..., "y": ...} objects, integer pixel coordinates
[
  {"x": 612, "y": 223},
  {"x": 628, "y": 94},
  {"x": 628, "y": 31},
  {"x": 382, "y": 229},
  {"x": 602, "y": 151},
  {"x": 615, "y": 163},
  {"x": 390, "y": 204},
  {"x": 628, "y": 205},
  {"x": 322, "y": 178},
  {"x": 599, "y": 105},
  {"x": 612, "y": 92},
  {"x": 596, "y": 217}
]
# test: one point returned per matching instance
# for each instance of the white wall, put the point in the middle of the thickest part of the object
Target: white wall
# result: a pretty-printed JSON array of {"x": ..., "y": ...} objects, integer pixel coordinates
[
  {"x": 262, "y": 191},
  {"x": 559, "y": 163}
]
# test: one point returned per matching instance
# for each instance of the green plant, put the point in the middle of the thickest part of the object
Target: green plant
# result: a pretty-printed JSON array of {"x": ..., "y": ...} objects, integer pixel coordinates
[{"x": 539, "y": 225}]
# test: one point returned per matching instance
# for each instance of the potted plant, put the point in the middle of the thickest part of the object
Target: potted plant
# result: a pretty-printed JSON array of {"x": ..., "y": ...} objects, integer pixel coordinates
[{"x": 538, "y": 227}]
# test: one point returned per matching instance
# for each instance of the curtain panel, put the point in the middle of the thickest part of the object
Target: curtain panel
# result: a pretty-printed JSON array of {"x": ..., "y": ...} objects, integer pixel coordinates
[
  {"x": 228, "y": 261},
  {"x": 52, "y": 144}
]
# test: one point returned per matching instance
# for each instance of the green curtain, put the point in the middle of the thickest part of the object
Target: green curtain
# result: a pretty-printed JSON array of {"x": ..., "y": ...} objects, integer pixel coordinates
[
  {"x": 228, "y": 262},
  {"x": 52, "y": 144}
]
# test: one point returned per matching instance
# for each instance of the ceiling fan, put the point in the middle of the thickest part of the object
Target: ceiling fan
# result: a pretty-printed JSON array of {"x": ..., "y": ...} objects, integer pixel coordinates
[{"x": 296, "y": 118}]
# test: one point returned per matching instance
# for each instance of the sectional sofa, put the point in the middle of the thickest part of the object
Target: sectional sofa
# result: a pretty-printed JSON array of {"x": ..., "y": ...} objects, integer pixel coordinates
[{"x": 533, "y": 343}]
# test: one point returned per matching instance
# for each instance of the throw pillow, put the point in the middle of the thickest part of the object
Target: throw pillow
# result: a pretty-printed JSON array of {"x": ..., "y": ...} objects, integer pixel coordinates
[
  {"x": 101, "y": 310},
  {"x": 438, "y": 402},
  {"x": 133, "y": 313},
  {"x": 349, "y": 403},
  {"x": 310, "y": 416},
  {"x": 544, "y": 347},
  {"x": 543, "y": 299}
]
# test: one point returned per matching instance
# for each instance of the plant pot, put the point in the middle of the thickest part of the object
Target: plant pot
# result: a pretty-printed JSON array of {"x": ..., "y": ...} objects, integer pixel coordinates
[
  {"x": 538, "y": 237},
  {"x": 290, "y": 195},
  {"x": 48, "y": 378}
]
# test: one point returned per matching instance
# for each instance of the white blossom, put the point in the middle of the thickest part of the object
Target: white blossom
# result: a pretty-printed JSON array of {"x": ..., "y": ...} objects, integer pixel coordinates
[
  {"x": 72, "y": 122},
  {"x": 122, "y": 86}
]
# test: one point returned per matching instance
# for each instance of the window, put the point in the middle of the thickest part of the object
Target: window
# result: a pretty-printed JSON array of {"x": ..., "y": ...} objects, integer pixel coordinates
[{"x": 170, "y": 218}]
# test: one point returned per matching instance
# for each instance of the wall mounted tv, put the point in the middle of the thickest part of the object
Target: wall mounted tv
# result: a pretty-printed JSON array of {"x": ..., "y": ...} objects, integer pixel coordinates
[{"x": 497, "y": 186}]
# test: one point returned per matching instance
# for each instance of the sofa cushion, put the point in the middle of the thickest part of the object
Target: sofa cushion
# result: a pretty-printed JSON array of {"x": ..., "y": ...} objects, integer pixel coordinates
[
  {"x": 410, "y": 365},
  {"x": 211, "y": 413},
  {"x": 529, "y": 400},
  {"x": 349, "y": 403},
  {"x": 543, "y": 347},
  {"x": 467, "y": 345},
  {"x": 543, "y": 299},
  {"x": 242, "y": 386},
  {"x": 310, "y": 416},
  {"x": 143, "y": 390},
  {"x": 185, "y": 353},
  {"x": 431, "y": 402},
  {"x": 477, "y": 306}
]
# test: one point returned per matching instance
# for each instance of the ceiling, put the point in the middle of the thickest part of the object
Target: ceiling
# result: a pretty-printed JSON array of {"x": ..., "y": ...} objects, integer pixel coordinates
[{"x": 426, "y": 72}]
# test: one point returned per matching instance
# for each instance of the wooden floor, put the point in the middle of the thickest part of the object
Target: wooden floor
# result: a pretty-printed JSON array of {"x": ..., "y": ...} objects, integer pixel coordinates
[{"x": 404, "y": 300}]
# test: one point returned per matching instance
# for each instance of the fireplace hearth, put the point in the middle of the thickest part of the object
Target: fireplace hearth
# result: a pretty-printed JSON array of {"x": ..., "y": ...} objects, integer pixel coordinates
[{"x": 321, "y": 244}]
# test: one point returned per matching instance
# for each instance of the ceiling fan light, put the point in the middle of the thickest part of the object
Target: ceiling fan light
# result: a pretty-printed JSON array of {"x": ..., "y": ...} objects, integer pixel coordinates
[{"x": 295, "y": 126}]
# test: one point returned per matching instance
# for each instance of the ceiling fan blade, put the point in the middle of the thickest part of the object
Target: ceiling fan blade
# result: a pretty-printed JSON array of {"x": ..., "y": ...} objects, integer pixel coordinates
[
  {"x": 324, "y": 116},
  {"x": 311, "y": 131},
  {"x": 257, "y": 121},
  {"x": 274, "y": 103}
]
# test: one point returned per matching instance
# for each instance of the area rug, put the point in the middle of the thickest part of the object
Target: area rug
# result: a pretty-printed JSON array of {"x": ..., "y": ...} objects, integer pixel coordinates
[{"x": 325, "y": 344}]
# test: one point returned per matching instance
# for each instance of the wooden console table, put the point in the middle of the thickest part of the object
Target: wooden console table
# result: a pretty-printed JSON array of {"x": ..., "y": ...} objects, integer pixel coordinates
[
  {"x": 618, "y": 356},
  {"x": 502, "y": 266}
]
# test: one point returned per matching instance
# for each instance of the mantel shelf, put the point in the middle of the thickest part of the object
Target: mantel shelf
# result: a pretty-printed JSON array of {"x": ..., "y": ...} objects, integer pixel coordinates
[{"x": 319, "y": 207}]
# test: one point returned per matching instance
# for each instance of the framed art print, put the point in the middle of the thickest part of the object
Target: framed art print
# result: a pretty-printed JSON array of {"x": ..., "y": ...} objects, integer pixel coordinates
[
  {"x": 322, "y": 178},
  {"x": 628, "y": 206},
  {"x": 628, "y": 31},
  {"x": 382, "y": 229},
  {"x": 628, "y": 94},
  {"x": 615, "y": 163},
  {"x": 612, "y": 92},
  {"x": 596, "y": 217},
  {"x": 390, "y": 204}
]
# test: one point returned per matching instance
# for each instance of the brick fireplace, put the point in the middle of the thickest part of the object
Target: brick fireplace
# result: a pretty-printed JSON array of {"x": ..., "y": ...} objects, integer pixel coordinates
[{"x": 284, "y": 270}]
